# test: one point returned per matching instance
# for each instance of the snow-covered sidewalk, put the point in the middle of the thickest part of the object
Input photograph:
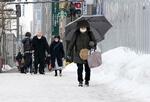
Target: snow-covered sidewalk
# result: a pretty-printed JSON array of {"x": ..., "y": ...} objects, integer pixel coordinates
[
  {"x": 16, "y": 87},
  {"x": 123, "y": 77}
]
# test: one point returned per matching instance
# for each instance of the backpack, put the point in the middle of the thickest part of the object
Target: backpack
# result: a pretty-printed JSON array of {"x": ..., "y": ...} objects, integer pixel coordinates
[{"x": 27, "y": 44}]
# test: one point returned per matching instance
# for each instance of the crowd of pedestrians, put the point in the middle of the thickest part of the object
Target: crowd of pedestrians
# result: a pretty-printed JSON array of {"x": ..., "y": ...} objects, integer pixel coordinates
[
  {"x": 36, "y": 51},
  {"x": 53, "y": 53}
]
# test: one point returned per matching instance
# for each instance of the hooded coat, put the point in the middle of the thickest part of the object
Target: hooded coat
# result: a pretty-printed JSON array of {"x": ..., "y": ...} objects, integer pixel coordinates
[{"x": 80, "y": 41}]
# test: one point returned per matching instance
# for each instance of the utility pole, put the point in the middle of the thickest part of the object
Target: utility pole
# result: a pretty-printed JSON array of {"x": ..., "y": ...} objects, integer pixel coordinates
[
  {"x": 2, "y": 33},
  {"x": 18, "y": 14},
  {"x": 20, "y": 27},
  {"x": 17, "y": 28},
  {"x": 3, "y": 36}
]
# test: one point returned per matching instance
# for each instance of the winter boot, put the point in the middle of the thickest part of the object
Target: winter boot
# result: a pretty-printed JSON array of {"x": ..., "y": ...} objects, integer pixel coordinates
[
  {"x": 60, "y": 72},
  {"x": 80, "y": 84},
  {"x": 55, "y": 72},
  {"x": 35, "y": 71},
  {"x": 86, "y": 83}
]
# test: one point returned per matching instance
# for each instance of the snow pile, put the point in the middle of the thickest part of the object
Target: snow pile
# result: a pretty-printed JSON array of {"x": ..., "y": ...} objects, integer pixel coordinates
[
  {"x": 125, "y": 63},
  {"x": 114, "y": 63},
  {"x": 138, "y": 70},
  {"x": 125, "y": 70},
  {"x": 6, "y": 68},
  {"x": 71, "y": 67}
]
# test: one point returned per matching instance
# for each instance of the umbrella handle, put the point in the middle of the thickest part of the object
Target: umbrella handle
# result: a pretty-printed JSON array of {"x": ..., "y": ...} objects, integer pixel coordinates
[{"x": 91, "y": 50}]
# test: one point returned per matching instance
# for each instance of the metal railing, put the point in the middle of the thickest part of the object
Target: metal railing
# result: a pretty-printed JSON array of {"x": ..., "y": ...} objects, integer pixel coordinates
[{"x": 131, "y": 24}]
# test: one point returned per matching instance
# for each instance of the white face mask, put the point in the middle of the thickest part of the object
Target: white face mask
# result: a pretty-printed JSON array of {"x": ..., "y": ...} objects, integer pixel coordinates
[
  {"x": 83, "y": 30},
  {"x": 56, "y": 40},
  {"x": 39, "y": 37}
]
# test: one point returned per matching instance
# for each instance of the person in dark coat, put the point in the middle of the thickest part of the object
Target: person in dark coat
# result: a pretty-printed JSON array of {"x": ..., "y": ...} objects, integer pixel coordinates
[
  {"x": 82, "y": 38},
  {"x": 19, "y": 59},
  {"x": 27, "y": 47},
  {"x": 57, "y": 55},
  {"x": 40, "y": 46}
]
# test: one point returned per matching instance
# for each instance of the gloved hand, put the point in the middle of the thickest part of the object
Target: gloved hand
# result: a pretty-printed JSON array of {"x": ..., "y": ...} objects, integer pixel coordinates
[
  {"x": 91, "y": 44},
  {"x": 48, "y": 59}
]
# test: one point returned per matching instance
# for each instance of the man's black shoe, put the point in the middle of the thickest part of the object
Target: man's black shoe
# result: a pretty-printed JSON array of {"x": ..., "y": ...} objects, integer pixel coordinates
[
  {"x": 80, "y": 84},
  {"x": 86, "y": 83},
  {"x": 35, "y": 72},
  {"x": 42, "y": 73}
]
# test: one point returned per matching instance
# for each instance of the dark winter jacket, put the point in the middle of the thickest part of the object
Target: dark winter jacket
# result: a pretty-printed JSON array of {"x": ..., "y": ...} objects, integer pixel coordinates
[
  {"x": 78, "y": 42},
  {"x": 27, "y": 44},
  {"x": 40, "y": 46},
  {"x": 56, "y": 52}
]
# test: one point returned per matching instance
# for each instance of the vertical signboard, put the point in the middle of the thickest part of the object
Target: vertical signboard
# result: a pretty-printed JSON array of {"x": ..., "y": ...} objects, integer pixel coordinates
[{"x": 55, "y": 18}]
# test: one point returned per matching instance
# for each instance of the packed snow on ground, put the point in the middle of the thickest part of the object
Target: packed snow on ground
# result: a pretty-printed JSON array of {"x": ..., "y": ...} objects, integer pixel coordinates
[
  {"x": 122, "y": 77},
  {"x": 6, "y": 68}
]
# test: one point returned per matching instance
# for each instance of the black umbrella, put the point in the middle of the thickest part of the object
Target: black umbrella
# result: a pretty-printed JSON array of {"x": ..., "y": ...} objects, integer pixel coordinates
[{"x": 99, "y": 25}]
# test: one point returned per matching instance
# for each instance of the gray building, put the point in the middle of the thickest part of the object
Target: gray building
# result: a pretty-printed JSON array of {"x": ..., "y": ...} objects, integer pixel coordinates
[
  {"x": 131, "y": 24},
  {"x": 42, "y": 18}
]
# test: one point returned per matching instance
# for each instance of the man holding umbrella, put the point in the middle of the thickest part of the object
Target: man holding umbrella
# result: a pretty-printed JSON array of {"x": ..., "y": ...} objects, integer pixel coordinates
[{"x": 82, "y": 38}]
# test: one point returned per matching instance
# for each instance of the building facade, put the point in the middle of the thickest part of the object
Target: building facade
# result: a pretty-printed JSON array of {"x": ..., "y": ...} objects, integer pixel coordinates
[
  {"x": 42, "y": 18},
  {"x": 131, "y": 23}
]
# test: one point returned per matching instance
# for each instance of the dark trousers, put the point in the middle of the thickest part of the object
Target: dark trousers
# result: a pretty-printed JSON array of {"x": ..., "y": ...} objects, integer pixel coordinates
[
  {"x": 41, "y": 63},
  {"x": 27, "y": 62},
  {"x": 80, "y": 72},
  {"x": 59, "y": 61}
]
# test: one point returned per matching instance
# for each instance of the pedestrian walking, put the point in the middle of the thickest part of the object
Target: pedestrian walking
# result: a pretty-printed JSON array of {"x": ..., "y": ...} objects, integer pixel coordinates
[
  {"x": 27, "y": 47},
  {"x": 40, "y": 46},
  {"x": 57, "y": 55},
  {"x": 82, "y": 38}
]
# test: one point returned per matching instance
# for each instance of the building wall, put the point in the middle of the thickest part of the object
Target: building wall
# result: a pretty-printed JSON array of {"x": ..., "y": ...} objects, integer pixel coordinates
[
  {"x": 37, "y": 18},
  {"x": 131, "y": 23},
  {"x": 91, "y": 7},
  {"x": 46, "y": 25},
  {"x": 42, "y": 19}
]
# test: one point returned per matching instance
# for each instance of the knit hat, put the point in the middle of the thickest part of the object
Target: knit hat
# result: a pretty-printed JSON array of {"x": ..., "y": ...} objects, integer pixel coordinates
[
  {"x": 57, "y": 36},
  {"x": 28, "y": 34},
  {"x": 83, "y": 23}
]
